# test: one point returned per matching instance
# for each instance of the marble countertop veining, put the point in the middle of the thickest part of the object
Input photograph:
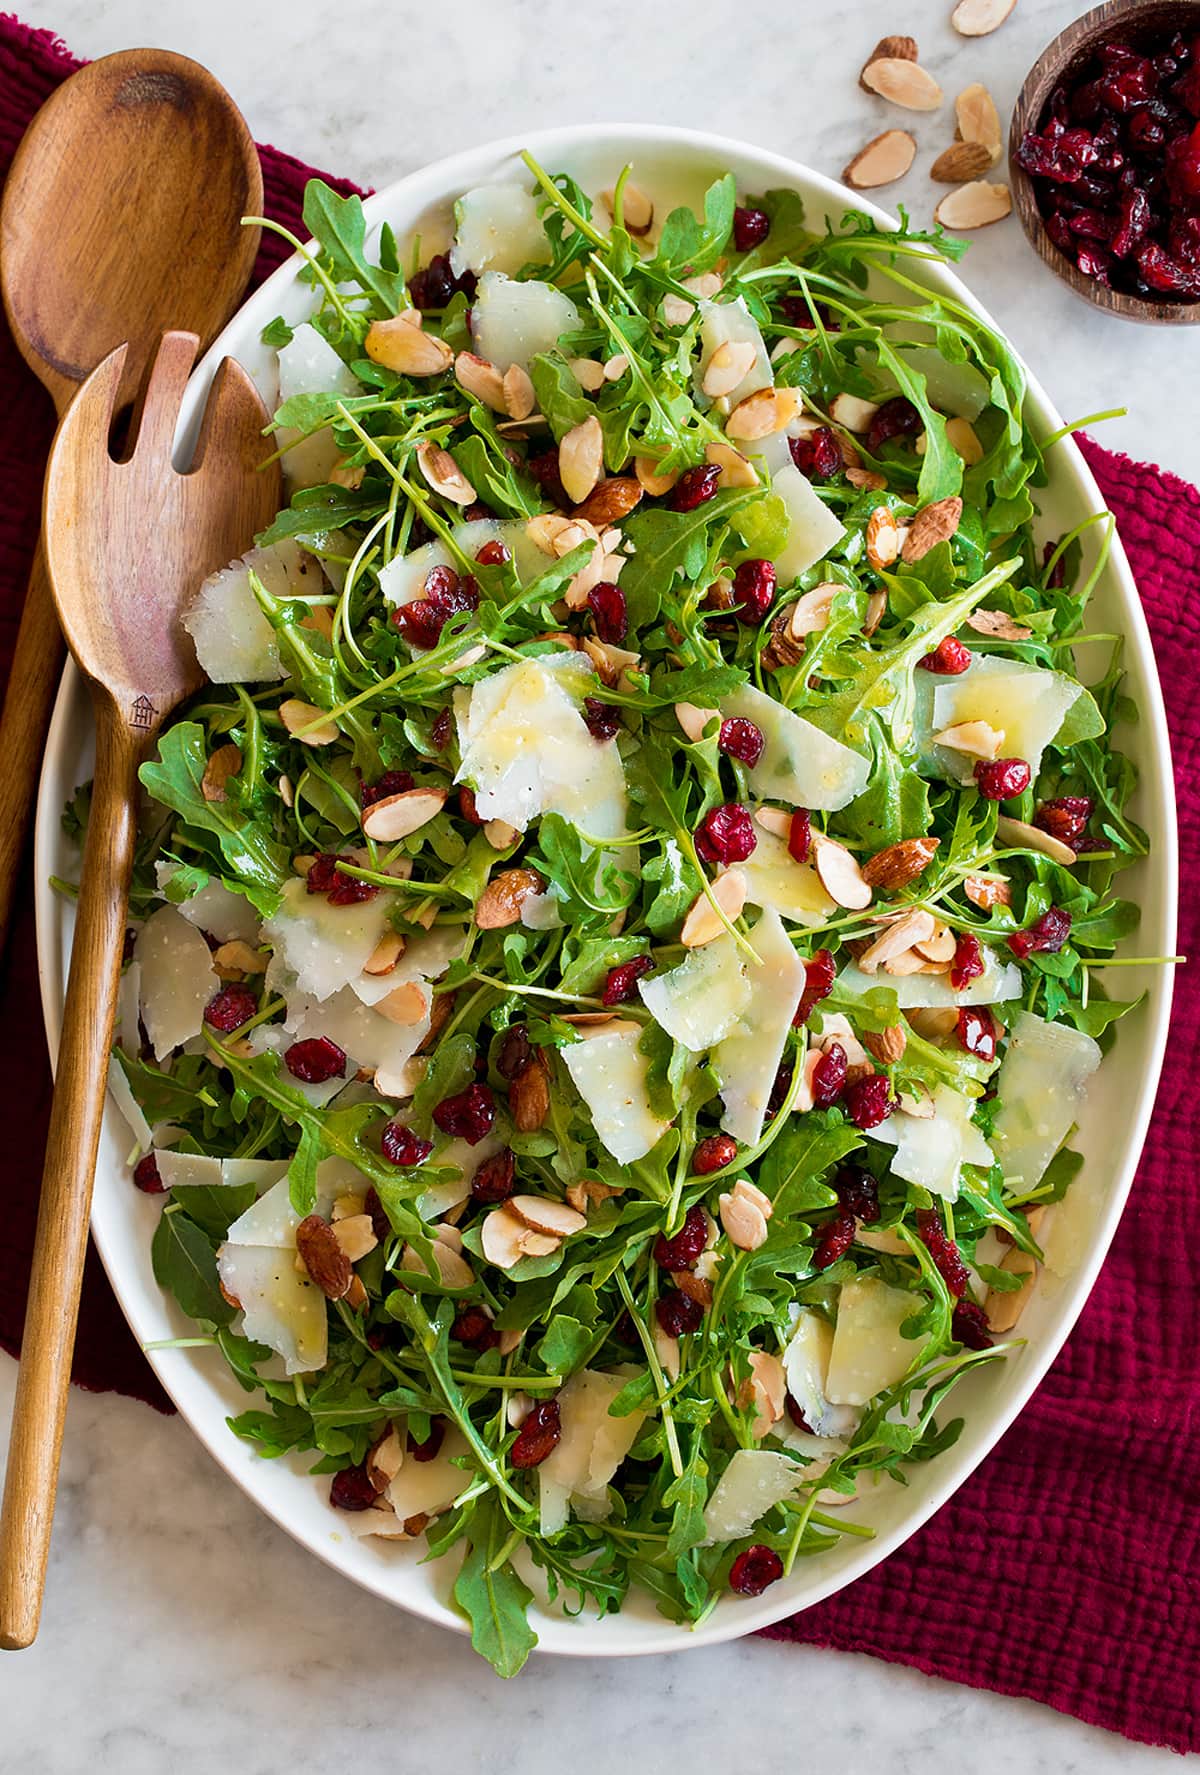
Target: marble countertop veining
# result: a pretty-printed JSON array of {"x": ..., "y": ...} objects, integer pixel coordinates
[{"x": 183, "y": 1631}]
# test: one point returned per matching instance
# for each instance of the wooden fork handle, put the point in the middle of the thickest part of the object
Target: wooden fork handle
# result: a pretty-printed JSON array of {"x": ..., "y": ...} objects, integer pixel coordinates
[
  {"x": 62, "y": 1227},
  {"x": 28, "y": 704}
]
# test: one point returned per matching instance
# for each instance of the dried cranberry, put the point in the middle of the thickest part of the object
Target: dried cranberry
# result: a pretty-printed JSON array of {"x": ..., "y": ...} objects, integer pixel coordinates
[
  {"x": 439, "y": 733},
  {"x": 1064, "y": 818},
  {"x": 420, "y": 623},
  {"x": 602, "y": 720},
  {"x": 146, "y": 1176},
  {"x": 322, "y": 872},
  {"x": 401, "y": 1146},
  {"x": 750, "y": 228},
  {"x": 467, "y": 807},
  {"x": 678, "y": 1313},
  {"x": 800, "y": 835},
  {"x": 1164, "y": 274},
  {"x": 857, "y": 1192},
  {"x": 713, "y": 1153},
  {"x": 610, "y": 617},
  {"x": 797, "y": 1416},
  {"x": 741, "y": 739},
  {"x": 494, "y": 553},
  {"x": 944, "y": 1252},
  {"x": 1063, "y": 158},
  {"x": 1183, "y": 164},
  {"x": 1095, "y": 262},
  {"x": 315, "y": 1061},
  {"x": 1058, "y": 574},
  {"x": 544, "y": 469},
  {"x": 427, "y": 1450},
  {"x": 1134, "y": 217},
  {"x": 977, "y": 1031},
  {"x": 754, "y": 585},
  {"x": 381, "y": 1226},
  {"x": 829, "y": 1076},
  {"x": 948, "y": 658},
  {"x": 621, "y": 983},
  {"x": 968, "y": 961},
  {"x": 469, "y": 1115},
  {"x": 495, "y": 1179},
  {"x": 868, "y": 1101},
  {"x": 1145, "y": 131},
  {"x": 515, "y": 1052},
  {"x": 896, "y": 418},
  {"x": 836, "y": 1238},
  {"x": 436, "y": 283},
  {"x": 538, "y": 1436},
  {"x": 1046, "y": 935},
  {"x": 781, "y": 1084},
  {"x": 681, "y": 1250},
  {"x": 969, "y": 1325},
  {"x": 474, "y": 1328},
  {"x": 999, "y": 779},
  {"x": 726, "y": 834},
  {"x": 230, "y": 1008},
  {"x": 819, "y": 975},
  {"x": 392, "y": 782},
  {"x": 755, "y": 1569},
  {"x": 351, "y": 1489},
  {"x": 694, "y": 487},
  {"x": 798, "y": 311},
  {"x": 818, "y": 456}
]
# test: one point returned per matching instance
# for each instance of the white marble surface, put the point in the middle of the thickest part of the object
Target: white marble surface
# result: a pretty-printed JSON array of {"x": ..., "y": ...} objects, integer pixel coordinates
[{"x": 183, "y": 1631}]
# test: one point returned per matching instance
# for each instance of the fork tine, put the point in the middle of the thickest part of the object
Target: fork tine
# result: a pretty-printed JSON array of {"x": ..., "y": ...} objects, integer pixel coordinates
[
  {"x": 157, "y": 413},
  {"x": 235, "y": 414},
  {"x": 99, "y": 395}
]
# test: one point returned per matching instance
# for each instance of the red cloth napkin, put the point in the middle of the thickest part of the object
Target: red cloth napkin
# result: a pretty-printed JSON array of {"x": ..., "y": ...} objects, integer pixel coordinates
[{"x": 1065, "y": 1569}]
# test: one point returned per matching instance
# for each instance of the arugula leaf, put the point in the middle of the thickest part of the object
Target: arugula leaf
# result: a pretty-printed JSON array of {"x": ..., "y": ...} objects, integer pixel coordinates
[
  {"x": 175, "y": 778},
  {"x": 338, "y": 226},
  {"x": 185, "y": 1264}
]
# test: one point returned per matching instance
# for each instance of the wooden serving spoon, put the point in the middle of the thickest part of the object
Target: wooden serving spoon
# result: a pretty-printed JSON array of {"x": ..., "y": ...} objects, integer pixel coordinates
[
  {"x": 121, "y": 217},
  {"x": 126, "y": 545}
]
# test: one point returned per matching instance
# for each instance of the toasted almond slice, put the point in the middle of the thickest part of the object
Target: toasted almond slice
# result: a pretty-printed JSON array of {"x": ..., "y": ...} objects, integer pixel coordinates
[
  {"x": 729, "y": 364},
  {"x": 775, "y": 819},
  {"x": 916, "y": 926},
  {"x": 761, "y": 414},
  {"x": 743, "y": 1220},
  {"x": 903, "y": 83},
  {"x": 961, "y": 434},
  {"x": 856, "y": 415},
  {"x": 973, "y": 737},
  {"x": 518, "y": 392},
  {"x": 810, "y": 613},
  {"x": 974, "y": 206},
  {"x": 610, "y": 661},
  {"x": 655, "y": 485},
  {"x": 876, "y": 610},
  {"x": 887, "y": 1045},
  {"x": 637, "y": 211},
  {"x": 903, "y": 49},
  {"x": 356, "y": 1235},
  {"x": 286, "y": 792},
  {"x": 500, "y": 902},
  {"x": 453, "y": 1269},
  {"x": 318, "y": 618},
  {"x": 224, "y": 763},
  {"x": 543, "y": 1215},
  {"x": 544, "y": 530},
  {"x": 406, "y": 1004},
  {"x": 702, "y": 923},
  {"x": 999, "y": 624},
  {"x": 443, "y": 474},
  {"x": 986, "y": 891},
  {"x": 581, "y": 458},
  {"x": 482, "y": 379},
  {"x": 1016, "y": 832},
  {"x": 307, "y": 724},
  {"x": 901, "y": 863},
  {"x": 939, "y": 947},
  {"x": 677, "y": 311},
  {"x": 345, "y": 473},
  {"x": 385, "y": 1459},
  {"x": 693, "y": 721},
  {"x": 238, "y": 957},
  {"x": 885, "y": 538},
  {"x": 395, "y": 816},
  {"x": 588, "y": 372},
  {"x": 385, "y": 955},
  {"x": 616, "y": 366},
  {"x": 959, "y": 162},
  {"x": 839, "y": 873},
  {"x": 588, "y": 1019},
  {"x": 399, "y": 344},
  {"x": 883, "y": 160},
  {"x": 933, "y": 524},
  {"x": 503, "y": 1238},
  {"x": 736, "y": 470},
  {"x": 978, "y": 120},
  {"x": 1004, "y": 1307},
  {"x": 977, "y": 18},
  {"x": 499, "y": 834}
]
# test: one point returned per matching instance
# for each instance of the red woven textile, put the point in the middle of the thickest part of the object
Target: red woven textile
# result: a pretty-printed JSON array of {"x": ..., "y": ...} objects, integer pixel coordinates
[{"x": 1066, "y": 1568}]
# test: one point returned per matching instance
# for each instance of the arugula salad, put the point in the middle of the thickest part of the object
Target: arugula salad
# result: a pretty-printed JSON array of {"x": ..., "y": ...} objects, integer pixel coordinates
[{"x": 617, "y": 941}]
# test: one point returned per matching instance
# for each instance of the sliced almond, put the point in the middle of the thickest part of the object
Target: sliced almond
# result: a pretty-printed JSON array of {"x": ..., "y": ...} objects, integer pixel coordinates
[
  {"x": 318, "y": 618},
  {"x": 500, "y": 903},
  {"x": 499, "y": 834},
  {"x": 443, "y": 474},
  {"x": 933, "y": 524},
  {"x": 961, "y": 434},
  {"x": 544, "y": 1215},
  {"x": 518, "y": 392},
  {"x": 940, "y": 947},
  {"x": 902, "y": 49},
  {"x": 238, "y": 957},
  {"x": 453, "y": 1269},
  {"x": 736, "y": 470},
  {"x": 761, "y": 414},
  {"x": 588, "y": 372},
  {"x": 742, "y": 1217},
  {"x": 810, "y": 613},
  {"x": 883, "y": 160},
  {"x": 581, "y": 458},
  {"x": 999, "y": 624},
  {"x": 544, "y": 530},
  {"x": 986, "y": 891},
  {"x": 729, "y": 364},
  {"x": 483, "y": 380},
  {"x": 903, "y": 83},
  {"x": 385, "y": 1459},
  {"x": 959, "y": 162},
  {"x": 978, "y": 120},
  {"x": 395, "y": 816},
  {"x": 644, "y": 467},
  {"x": 400, "y": 345},
  {"x": 916, "y": 926},
  {"x": 286, "y": 792},
  {"x": 775, "y": 819},
  {"x": 693, "y": 721},
  {"x": 839, "y": 873},
  {"x": 385, "y": 955},
  {"x": 677, "y": 311},
  {"x": 764, "y": 1391},
  {"x": 610, "y": 661},
  {"x": 976, "y": 738},
  {"x": 901, "y": 863},
  {"x": 1032, "y": 838},
  {"x": 306, "y": 723},
  {"x": 224, "y": 763},
  {"x": 616, "y": 366},
  {"x": 976, "y": 18},
  {"x": 855, "y": 414},
  {"x": 885, "y": 538},
  {"x": 702, "y": 923},
  {"x": 356, "y": 1235},
  {"x": 876, "y": 610},
  {"x": 1004, "y": 1307},
  {"x": 503, "y": 1237},
  {"x": 935, "y": 1023},
  {"x": 406, "y": 1004},
  {"x": 637, "y": 211},
  {"x": 974, "y": 206}
]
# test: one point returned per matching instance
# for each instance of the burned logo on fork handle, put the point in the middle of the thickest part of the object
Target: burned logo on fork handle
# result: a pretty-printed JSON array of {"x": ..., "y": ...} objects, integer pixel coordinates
[{"x": 142, "y": 713}]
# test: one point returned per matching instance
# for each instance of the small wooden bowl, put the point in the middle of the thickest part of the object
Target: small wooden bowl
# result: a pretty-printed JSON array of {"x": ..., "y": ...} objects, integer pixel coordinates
[{"x": 1115, "y": 21}]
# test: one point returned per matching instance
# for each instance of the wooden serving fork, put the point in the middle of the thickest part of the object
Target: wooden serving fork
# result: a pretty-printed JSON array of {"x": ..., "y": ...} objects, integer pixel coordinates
[{"x": 127, "y": 543}]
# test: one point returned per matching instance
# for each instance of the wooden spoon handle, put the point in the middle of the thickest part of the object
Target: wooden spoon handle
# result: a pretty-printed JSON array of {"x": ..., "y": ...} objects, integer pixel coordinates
[
  {"x": 62, "y": 1227},
  {"x": 28, "y": 704}
]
